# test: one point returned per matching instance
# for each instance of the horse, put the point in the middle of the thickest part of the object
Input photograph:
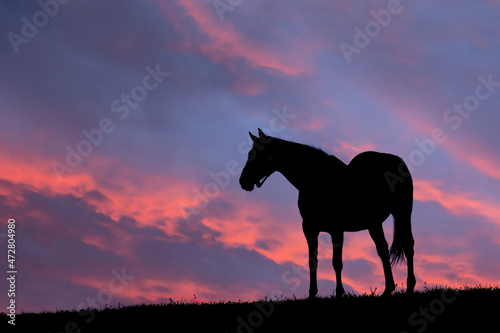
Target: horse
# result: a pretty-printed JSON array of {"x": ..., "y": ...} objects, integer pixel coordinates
[{"x": 335, "y": 197}]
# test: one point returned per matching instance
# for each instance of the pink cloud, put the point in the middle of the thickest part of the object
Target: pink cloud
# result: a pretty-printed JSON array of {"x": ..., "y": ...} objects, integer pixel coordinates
[
  {"x": 351, "y": 151},
  {"x": 248, "y": 87},
  {"x": 461, "y": 204},
  {"x": 227, "y": 43},
  {"x": 471, "y": 152}
]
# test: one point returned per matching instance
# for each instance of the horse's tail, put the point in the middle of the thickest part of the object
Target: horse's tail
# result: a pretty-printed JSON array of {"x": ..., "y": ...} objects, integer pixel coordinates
[
  {"x": 402, "y": 244},
  {"x": 403, "y": 240}
]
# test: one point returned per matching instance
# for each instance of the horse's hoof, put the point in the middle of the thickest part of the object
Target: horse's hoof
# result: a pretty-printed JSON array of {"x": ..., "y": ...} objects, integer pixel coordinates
[
  {"x": 387, "y": 293},
  {"x": 340, "y": 294},
  {"x": 312, "y": 294}
]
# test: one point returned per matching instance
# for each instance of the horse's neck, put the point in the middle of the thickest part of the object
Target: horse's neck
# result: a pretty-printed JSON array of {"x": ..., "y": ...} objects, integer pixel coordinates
[{"x": 303, "y": 167}]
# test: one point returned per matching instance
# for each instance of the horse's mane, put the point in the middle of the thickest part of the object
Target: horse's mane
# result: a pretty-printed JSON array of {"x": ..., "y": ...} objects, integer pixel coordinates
[{"x": 310, "y": 152}]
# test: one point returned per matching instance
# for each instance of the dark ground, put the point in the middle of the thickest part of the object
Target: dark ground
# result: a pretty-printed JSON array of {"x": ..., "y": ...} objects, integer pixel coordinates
[{"x": 438, "y": 310}]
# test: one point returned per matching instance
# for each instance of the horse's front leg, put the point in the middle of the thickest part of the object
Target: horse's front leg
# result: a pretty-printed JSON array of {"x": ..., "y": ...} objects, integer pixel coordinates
[
  {"x": 338, "y": 243},
  {"x": 312, "y": 243}
]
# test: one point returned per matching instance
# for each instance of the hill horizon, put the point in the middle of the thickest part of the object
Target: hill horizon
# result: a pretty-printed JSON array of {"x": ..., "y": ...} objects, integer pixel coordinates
[{"x": 434, "y": 309}]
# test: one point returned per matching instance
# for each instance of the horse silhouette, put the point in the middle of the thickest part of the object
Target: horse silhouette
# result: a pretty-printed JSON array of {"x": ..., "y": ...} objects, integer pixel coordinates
[{"x": 335, "y": 198}]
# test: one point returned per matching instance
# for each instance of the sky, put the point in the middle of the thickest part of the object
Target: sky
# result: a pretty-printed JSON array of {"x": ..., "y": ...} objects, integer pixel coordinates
[{"x": 125, "y": 127}]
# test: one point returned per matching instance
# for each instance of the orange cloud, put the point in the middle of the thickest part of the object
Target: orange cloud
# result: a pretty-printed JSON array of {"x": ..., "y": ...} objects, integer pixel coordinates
[{"x": 150, "y": 199}]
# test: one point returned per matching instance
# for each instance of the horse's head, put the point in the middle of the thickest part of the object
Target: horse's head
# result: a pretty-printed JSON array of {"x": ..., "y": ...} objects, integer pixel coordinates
[{"x": 259, "y": 165}]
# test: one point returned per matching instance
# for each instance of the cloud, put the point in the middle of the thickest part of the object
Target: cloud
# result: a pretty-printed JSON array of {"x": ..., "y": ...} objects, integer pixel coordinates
[
  {"x": 124, "y": 206},
  {"x": 62, "y": 238},
  {"x": 221, "y": 42},
  {"x": 461, "y": 204}
]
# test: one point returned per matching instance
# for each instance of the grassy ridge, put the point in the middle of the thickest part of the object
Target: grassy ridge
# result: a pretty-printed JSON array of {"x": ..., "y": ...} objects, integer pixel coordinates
[{"x": 466, "y": 309}]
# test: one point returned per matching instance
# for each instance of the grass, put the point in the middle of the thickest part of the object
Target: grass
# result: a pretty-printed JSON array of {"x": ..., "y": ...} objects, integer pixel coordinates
[{"x": 468, "y": 309}]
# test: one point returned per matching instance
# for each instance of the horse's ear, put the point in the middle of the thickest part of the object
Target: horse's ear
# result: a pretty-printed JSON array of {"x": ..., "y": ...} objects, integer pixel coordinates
[
  {"x": 262, "y": 135},
  {"x": 253, "y": 137}
]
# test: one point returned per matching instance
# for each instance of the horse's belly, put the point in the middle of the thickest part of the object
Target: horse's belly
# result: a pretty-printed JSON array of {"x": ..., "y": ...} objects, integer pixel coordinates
[{"x": 345, "y": 213}]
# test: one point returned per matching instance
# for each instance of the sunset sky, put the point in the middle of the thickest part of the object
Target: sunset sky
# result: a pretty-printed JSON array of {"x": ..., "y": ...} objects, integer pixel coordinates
[{"x": 125, "y": 126}]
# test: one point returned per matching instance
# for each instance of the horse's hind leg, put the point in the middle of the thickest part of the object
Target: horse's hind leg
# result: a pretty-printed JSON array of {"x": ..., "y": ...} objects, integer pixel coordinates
[
  {"x": 409, "y": 252},
  {"x": 312, "y": 243},
  {"x": 338, "y": 243},
  {"x": 377, "y": 234},
  {"x": 411, "y": 281},
  {"x": 402, "y": 221}
]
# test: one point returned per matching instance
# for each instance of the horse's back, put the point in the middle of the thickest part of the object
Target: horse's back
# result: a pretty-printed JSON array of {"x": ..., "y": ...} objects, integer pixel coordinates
[
  {"x": 373, "y": 161},
  {"x": 373, "y": 175},
  {"x": 375, "y": 166}
]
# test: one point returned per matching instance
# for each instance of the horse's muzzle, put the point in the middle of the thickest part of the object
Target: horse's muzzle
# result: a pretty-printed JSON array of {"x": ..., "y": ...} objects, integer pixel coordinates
[{"x": 245, "y": 184}]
